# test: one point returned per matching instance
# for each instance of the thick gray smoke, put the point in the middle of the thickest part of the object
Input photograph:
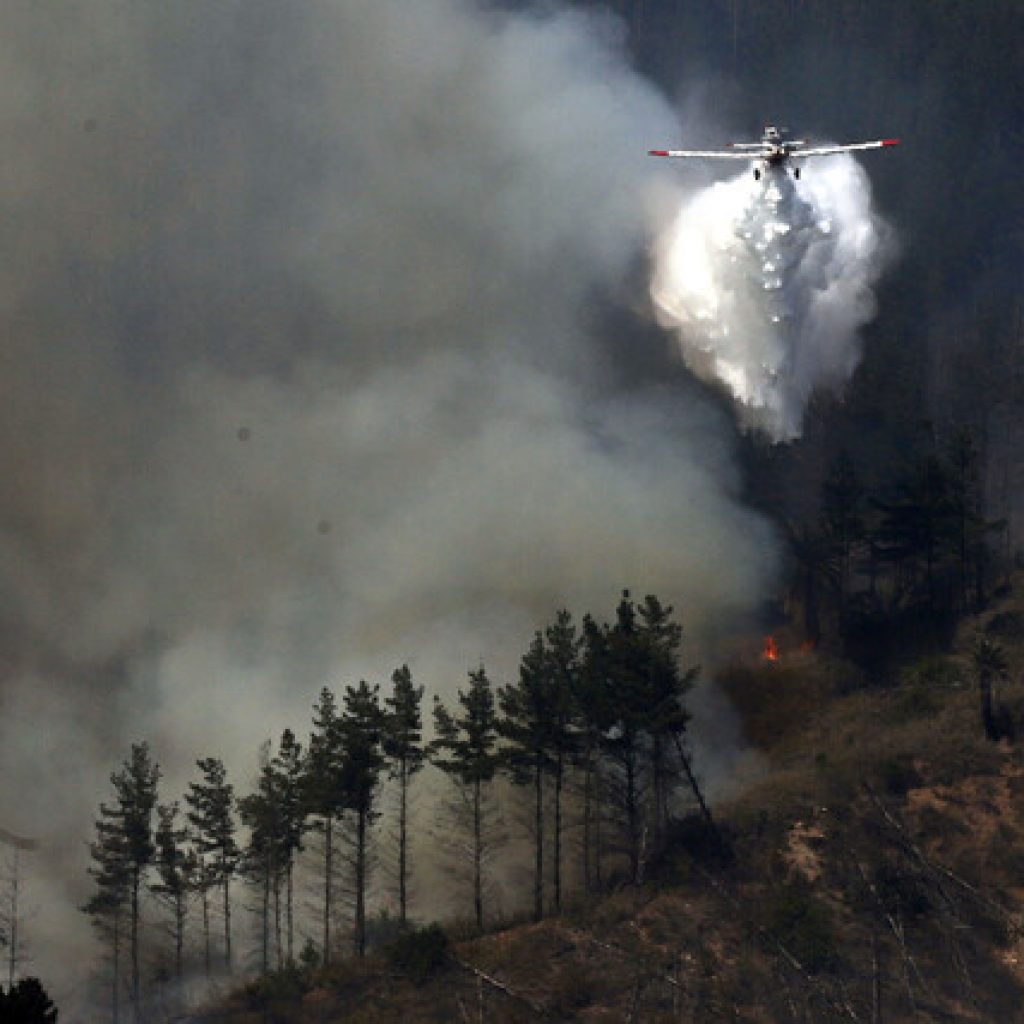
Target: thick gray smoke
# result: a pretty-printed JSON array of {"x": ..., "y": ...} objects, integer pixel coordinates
[
  {"x": 768, "y": 281},
  {"x": 297, "y": 384}
]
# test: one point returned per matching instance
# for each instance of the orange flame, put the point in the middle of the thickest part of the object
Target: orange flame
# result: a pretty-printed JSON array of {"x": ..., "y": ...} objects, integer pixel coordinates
[{"x": 771, "y": 649}]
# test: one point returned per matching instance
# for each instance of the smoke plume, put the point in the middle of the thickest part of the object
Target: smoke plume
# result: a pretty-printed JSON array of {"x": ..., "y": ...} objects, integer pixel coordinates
[
  {"x": 767, "y": 282},
  {"x": 298, "y": 386}
]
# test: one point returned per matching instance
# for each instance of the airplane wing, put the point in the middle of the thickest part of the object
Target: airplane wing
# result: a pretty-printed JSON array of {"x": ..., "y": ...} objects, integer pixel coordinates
[
  {"x": 704, "y": 154},
  {"x": 847, "y": 148}
]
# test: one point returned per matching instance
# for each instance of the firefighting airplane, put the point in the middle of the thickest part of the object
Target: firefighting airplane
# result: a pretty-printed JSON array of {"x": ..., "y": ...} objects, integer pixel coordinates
[{"x": 774, "y": 150}]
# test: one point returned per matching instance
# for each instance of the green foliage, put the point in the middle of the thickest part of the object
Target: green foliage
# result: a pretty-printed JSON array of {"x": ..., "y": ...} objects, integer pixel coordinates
[
  {"x": 27, "y": 1003},
  {"x": 419, "y": 953},
  {"x": 211, "y": 813},
  {"x": 466, "y": 746},
  {"x": 803, "y": 924},
  {"x": 924, "y": 685},
  {"x": 403, "y": 725},
  {"x": 283, "y": 987},
  {"x": 1006, "y": 625},
  {"x": 899, "y": 774},
  {"x": 573, "y": 988},
  {"x": 309, "y": 955}
]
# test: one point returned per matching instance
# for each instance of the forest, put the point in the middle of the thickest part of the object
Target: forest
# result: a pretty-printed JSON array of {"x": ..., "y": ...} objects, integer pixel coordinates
[{"x": 594, "y": 731}]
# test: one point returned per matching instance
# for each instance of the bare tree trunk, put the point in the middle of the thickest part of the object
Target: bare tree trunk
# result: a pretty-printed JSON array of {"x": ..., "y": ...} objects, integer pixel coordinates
[
  {"x": 360, "y": 930},
  {"x": 557, "y": 879},
  {"x": 136, "y": 1009},
  {"x": 632, "y": 823},
  {"x": 328, "y": 872},
  {"x": 538, "y": 825},
  {"x": 278, "y": 945},
  {"x": 588, "y": 779},
  {"x": 12, "y": 956},
  {"x": 206, "y": 929},
  {"x": 115, "y": 1002},
  {"x": 988, "y": 718},
  {"x": 265, "y": 920},
  {"x": 478, "y": 892},
  {"x": 291, "y": 917},
  {"x": 179, "y": 933},
  {"x": 227, "y": 916},
  {"x": 701, "y": 803},
  {"x": 403, "y": 840}
]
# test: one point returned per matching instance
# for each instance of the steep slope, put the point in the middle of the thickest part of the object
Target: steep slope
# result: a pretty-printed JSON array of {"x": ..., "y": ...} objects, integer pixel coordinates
[{"x": 875, "y": 873}]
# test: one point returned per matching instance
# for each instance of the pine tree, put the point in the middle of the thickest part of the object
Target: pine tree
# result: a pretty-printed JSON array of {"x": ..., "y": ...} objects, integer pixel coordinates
[
  {"x": 361, "y": 766},
  {"x": 527, "y": 710},
  {"x": 262, "y": 813},
  {"x": 324, "y": 794},
  {"x": 106, "y": 907},
  {"x": 402, "y": 743},
  {"x": 124, "y": 850},
  {"x": 466, "y": 750},
  {"x": 592, "y": 701},
  {"x": 176, "y": 867},
  {"x": 564, "y": 668},
  {"x": 289, "y": 768},
  {"x": 623, "y": 740},
  {"x": 211, "y": 815}
]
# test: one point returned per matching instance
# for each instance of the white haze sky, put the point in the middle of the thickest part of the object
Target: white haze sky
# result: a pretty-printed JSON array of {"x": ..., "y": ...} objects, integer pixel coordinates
[{"x": 297, "y": 383}]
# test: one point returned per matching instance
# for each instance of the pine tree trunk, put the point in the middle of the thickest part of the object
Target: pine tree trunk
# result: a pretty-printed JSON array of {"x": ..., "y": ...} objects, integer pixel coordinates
[
  {"x": 206, "y": 928},
  {"x": 557, "y": 879},
  {"x": 988, "y": 718},
  {"x": 179, "y": 932},
  {"x": 631, "y": 818},
  {"x": 403, "y": 838},
  {"x": 538, "y": 825},
  {"x": 701, "y": 803},
  {"x": 588, "y": 781},
  {"x": 279, "y": 946},
  {"x": 136, "y": 1009},
  {"x": 227, "y": 916},
  {"x": 115, "y": 1006},
  {"x": 291, "y": 917},
  {"x": 265, "y": 922},
  {"x": 360, "y": 922},
  {"x": 478, "y": 894},
  {"x": 328, "y": 872},
  {"x": 658, "y": 771}
]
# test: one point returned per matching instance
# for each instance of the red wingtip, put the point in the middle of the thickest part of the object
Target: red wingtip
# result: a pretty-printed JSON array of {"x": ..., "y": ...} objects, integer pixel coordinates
[
  {"x": 657, "y": 152},
  {"x": 890, "y": 142}
]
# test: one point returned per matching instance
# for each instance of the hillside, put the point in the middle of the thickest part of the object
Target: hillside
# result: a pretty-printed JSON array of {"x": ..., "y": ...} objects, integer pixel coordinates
[{"x": 875, "y": 874}]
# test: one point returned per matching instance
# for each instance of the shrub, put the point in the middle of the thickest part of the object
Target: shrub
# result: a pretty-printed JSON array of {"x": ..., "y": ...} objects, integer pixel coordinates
[
  {"x": 1008, "y": 625},
  {"x": 803, "y": 925},
  {"x": 419, "y": 953},
  {"x": 898, "y": 774}
]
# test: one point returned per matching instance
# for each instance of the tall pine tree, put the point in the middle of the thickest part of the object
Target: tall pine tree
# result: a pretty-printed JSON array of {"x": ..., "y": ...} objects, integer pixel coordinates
[
  {"x": 211, "y": 804},
  {"x": 466, "y": 750},
  {"x": 325, "y": 795},
  {"x": 403, "y": 746},
  {"x": 176, "y": 870},
  {"x": 362, "y": 761}
]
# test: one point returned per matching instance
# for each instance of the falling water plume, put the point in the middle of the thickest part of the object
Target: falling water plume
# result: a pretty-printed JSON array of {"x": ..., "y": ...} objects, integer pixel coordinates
[{"x": 767, "y": 282}]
